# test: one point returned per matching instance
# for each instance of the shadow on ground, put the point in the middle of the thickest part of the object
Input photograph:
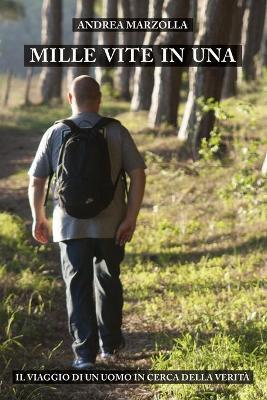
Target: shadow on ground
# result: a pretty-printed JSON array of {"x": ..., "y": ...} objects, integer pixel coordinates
[{"x": 162, "y": 258}]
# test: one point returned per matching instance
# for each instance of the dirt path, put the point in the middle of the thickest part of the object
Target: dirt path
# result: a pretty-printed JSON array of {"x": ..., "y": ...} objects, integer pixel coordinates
[{"x": 16, "y": 151}]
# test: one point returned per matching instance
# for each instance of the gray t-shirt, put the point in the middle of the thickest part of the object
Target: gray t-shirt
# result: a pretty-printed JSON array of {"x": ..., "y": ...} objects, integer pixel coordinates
[{"x": 123, "y": 154}]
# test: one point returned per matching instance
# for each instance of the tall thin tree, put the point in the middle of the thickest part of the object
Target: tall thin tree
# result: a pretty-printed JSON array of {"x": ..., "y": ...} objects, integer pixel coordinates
[
  {"x": 206, "y": 82},
  {"x": 264, "y": 43},
  {"x": 123, "y": 75},
  {"x": 84, "y": 9},
  {"x": 108, "y": 38},
  {"x": 139, "y": 9},
  {"x": 167, "y": 80},
  {"x": 144, "y": 76},
  {"x": 252, "y": 62},
  {"x": 51, "y": 77},
  {"x": 230, "y": 78}
]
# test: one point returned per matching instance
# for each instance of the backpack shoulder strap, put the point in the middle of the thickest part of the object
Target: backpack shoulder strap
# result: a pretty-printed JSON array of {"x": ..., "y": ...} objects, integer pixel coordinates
[
  {"x": 73, "y": 127},
  {"x": 104, "y": 121},
  {"x": 100, "y": 124}
]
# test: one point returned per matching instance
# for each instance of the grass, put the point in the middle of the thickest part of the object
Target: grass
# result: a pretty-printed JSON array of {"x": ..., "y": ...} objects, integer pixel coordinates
[
  {"x": 194, "y": 275},
  {"x": 27, "y": 293}
]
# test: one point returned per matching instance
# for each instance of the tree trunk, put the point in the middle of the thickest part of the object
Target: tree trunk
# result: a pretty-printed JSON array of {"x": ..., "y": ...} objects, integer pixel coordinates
[
  {"x": 8, "y": 87},
  {"x": 252, "y": 62},
  {"x": 84, "y": 9},
  {"x": 51, "y": 77},
  {"x": 194, "y": 4},
  {"x": 110, "y": 10},
  {"x": 230, "y": 78},
  {"x": 144, "y": 76},
  {"x": 28, "y": 87},
  {"x": 123, "y": 75},
  {"x": 165, "y": 96},
  {"x": 206, "y": 82},
  {"x": 139, "y": 9},
  {"x": 264, "y": 43}
]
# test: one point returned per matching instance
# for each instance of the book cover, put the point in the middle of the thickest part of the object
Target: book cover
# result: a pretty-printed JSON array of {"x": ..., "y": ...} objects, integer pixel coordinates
[{"x": 143, "y": 274}]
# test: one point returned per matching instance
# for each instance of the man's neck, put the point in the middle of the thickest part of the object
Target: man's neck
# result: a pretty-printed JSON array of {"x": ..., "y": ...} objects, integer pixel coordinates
[{"x": 79, "y": 110}]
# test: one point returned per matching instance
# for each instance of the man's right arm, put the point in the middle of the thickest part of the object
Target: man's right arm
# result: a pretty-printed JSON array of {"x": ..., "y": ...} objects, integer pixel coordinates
[
  {"x": 40, "y": 225},
  {"x": 40, "y": 169},
  {"x": 136, "y": 193}
]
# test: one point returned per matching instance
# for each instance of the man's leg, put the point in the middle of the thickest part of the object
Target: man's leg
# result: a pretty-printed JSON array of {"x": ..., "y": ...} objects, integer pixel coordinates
[
  {"x": 108, "y": 293},
  {"x": 77, "y": 270}
]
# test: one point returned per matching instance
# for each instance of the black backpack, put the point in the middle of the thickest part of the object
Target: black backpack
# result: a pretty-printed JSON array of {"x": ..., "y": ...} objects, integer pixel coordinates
[{"x": 83, "y": 181}]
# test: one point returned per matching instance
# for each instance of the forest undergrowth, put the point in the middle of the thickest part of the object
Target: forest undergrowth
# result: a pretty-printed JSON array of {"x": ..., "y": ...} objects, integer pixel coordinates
[{"x": 195, "y": 273}]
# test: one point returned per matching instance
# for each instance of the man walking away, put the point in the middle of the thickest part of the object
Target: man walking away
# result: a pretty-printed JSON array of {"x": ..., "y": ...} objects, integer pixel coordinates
[{"x": 91, "y": 229}]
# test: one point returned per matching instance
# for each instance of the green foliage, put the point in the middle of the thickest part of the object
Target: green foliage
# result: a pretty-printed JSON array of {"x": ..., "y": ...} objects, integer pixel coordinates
[
  {"x": 247, "y": 181},
  {"x": 248, "y": 110},
  {"x": 27, "y": 30},
  {"x": 194, "y": 275},
  {"x": 196, "y": 266},
  {"x": 11, "y": 9},
  {"x": 11, "y": 227},
  {"x": 107, "y": 89},
  {"x": 219, "y": 352},
  {"x": 27, "y": 295},
  {"x": 210, "y": 104},
  {"x": 210, "y": 147}
]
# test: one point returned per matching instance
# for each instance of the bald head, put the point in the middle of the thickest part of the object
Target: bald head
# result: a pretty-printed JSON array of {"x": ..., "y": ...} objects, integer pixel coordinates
[{"x": 85, "y": 92}]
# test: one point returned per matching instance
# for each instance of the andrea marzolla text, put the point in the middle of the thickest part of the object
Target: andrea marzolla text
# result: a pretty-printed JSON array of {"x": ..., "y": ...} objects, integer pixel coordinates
[{"x": 132, "y": 24}]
